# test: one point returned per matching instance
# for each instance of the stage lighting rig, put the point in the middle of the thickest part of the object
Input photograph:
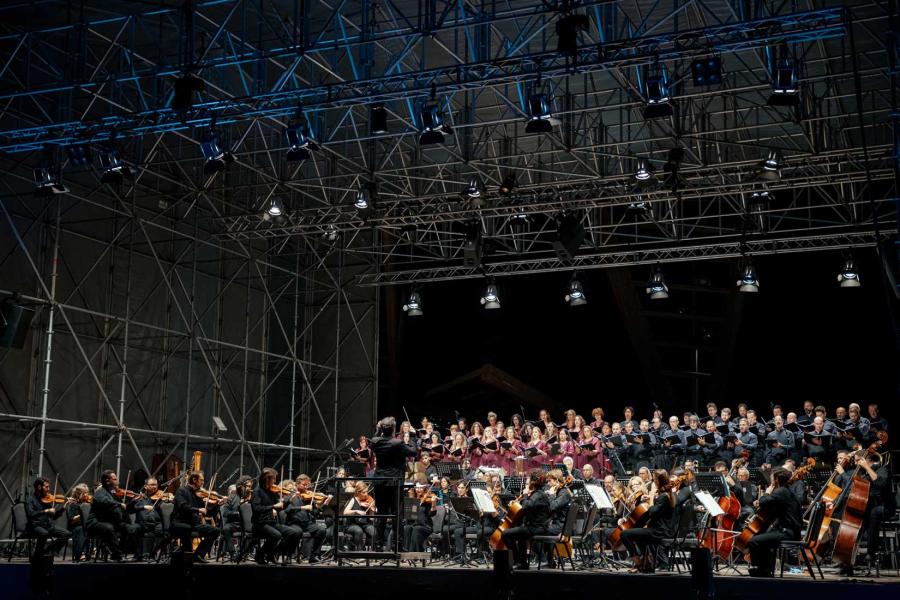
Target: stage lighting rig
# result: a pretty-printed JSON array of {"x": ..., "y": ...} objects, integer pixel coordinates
[
  {"x": 184, "y": 91},
  {"x": 114, "y": 170},
  {"x": 508, "y": 184},
  {"x": 656, "y": 287},
  {"x": 216, "y": 158},
  {"x": 540, "y": 118},
  {"x": 849, "y": 275},
  {"x": 366, "y": 199},
  {"x": 770, "y": 168},
  {"x": 749, "y": 281},
  {"x": 659, "y": 98},
  {"x": 490, "y": 299},
  {"x": 785, "y": 80},
  {"x": 431, "y": 118},
  {"x": 46, "y": 181},
  {"x": 413, "y": 306},
  {"x": 378, "y": 120},
  {"x": 575, "y": 296}
]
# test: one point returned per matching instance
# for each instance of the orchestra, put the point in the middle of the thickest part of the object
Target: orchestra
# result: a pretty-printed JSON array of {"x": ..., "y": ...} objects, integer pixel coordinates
[{"x": 652, "y": 471}]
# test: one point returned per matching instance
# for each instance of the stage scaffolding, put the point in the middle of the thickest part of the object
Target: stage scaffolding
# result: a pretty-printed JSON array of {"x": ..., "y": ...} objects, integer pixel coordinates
[{"x": 169, "y": 300}]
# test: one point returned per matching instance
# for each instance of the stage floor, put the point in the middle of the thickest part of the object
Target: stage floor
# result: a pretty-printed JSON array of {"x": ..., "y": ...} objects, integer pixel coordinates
[{"x": 131, "y": 581}]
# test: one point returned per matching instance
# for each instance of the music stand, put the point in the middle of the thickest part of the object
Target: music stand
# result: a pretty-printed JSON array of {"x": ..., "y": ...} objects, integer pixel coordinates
[
  {"x": 514, "y": 484},
  {"x": 355, "y": 469},
  {"x": 477, "y": 484},
  {"x": 449, "y": 470},
  {"x": 465, "y": 508}
]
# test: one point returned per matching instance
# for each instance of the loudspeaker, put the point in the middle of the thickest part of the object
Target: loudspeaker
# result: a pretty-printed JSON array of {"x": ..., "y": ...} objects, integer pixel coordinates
[
  {"x": 569, "y": 235},
  {"x": 702, "y": 572},
  {"x": 15, "y": 322}
]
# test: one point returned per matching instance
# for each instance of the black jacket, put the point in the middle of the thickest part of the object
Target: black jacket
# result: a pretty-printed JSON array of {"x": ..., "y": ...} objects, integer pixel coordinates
[
  {"x": 298, "y": 516},
  {"x": 559, "y": 506},
  {"x": 34, "y": 509},
  {"x": 662, "y": 521},
  {"x": 783, "y": 506},
  {"x": 105, "y": 508},
  {"x": 263, "y": 502},
  {"x": 142, "y": 516},
  {"x": 536, "y": 510},
  {"x": 390, "y": 456},
  {"x": 187, "y": 507}
]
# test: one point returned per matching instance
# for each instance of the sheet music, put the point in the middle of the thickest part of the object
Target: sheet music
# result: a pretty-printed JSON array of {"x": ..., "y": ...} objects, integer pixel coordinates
[
  {"x": 483, "y": 501},
  {"x": 709, "y": 503},
  {"x": 599, "y": 496}
]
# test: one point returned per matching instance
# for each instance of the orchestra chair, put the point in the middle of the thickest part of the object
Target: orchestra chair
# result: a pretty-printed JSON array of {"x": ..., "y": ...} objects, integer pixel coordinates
[
  {"x": 18, "y": 529},
  {"x": 582, "y": 543},
  {"x": 678, "y": 548},
  {"x": 440, "y": 532},
  {"x": 889, "y": 532},
  {"x": 163, "y": 545},
  {"x": 539, "y": 542},
  {"x": 804, "y": 546},
  {"x": 245, "y": 538}
]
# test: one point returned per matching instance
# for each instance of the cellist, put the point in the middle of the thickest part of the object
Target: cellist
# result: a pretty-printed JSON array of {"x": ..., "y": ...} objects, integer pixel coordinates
[
  {"x": 535, "y": 514},
  {"x": 783, "y": 506}
]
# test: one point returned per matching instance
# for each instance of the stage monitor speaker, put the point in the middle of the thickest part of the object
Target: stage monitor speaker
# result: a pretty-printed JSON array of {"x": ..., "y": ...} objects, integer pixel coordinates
[{"x": 15, "y": 321}]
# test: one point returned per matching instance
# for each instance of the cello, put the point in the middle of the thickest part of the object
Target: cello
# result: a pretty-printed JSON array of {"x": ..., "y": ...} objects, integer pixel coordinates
[
  {"x": 761, "y": 520},
  {"x": 511, "y": 519},
  {"x": 847, "y": 538},
  {"x": 731, "y": 507}
]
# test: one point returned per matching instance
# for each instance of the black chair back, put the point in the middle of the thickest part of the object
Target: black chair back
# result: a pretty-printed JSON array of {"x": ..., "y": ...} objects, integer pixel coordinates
[
  {"x": 166, "y": 510},
  {"x": 246, "y": 512},
  {"x": 19, "y": 518},
  {"x": 568, "y": 528},
  {"x": 85, "y": 509},
  {"x": 816, "y": 515}
]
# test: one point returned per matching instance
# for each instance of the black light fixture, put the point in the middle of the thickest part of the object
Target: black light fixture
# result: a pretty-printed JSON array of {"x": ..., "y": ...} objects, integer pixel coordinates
[
  {"x": 849, "y": 275},
  {"x": 80, "y": 155},
  {"x": 749, "y": 281},
  {"x": 300, "y": 143},
  {"x": 473, "y": 248},
  {"x": 643, "y": 171},
  {"x": 567, "y": 28},
  {"x": 785, "y": 80},
  {"x": 114, "y": 170},
  {"x": 540, "y": 119},
  {"x": 413, "y": 306},
  {"x": 474, "y": 190},
  {"x": 330, "y": 234},
  {"x": 216, "y": 158},
  {"x": 366, "y": 198},
  {"x": 508, "y": 184},
  {"x": 760, "y": 198},
  {"x": 770, "y": 167},
  {"x": 490, "y": 299},
  {"x": 706, "y": 71},
  {"x": 656, "y": 287},
  {"x": 659, "y": 100},
  {"x": 431, "y": 116},
  {"x": 184, "y": 89},
  {"x": 575, "y": 295},
  {"x": 673, "y": 166},
  {"x": 46, "y": 181},
  {"x": 275, "y": 208},
  {"x": 378, "y": 119}
]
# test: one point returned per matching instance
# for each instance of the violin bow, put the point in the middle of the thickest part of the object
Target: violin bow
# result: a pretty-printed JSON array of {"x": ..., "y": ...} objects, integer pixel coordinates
[
  {"x": 281, "y": 489},
  {"x": 212, "y": 484},
  {"x": 127, "y": 483},
  {"x": 55, "y": 488}
]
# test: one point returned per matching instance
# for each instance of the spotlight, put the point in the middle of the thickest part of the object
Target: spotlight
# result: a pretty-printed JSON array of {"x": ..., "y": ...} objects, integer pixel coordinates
[
  {"x": 567, "y": 29},
  {"x": 748, "y": 282},
  {"x": 80, "y": 155},
  {"x": 508, "y": 184},
  {"x": 643, "y": 172},
  {"x": 770, "y": 168},
  {"x": 849, "y": 276},
  {"x": 413, "y": 306},
  {"x": 216, "y": 158},
  {"x": 473, "y": 189},
  {"x": 366, "y": 197},
  {"x": 707, "y": 71},
  {"x": 275, "y": 208},
  {"x": 540, "y": 119},
  {"x": 785, "y": 85},
  {"x": 331, "y": 234},
  {"x": 183, "y": 92},
  {"x": 658, "y": 98},
  {"x": 491, "y": 298},
  {"x": 569, "y": 236},
  {"x": 656, "y": 287},
  {"x": 638, "y": 210},
  {"x": 47, "y": 183},
  {"x": 378, "y": 120},
  {"x": 114, "y": 171},
  {"x": 433, "y": 126},
  {"x": 299, "y": 144},
  {"x": 575, "y": 295},
  {"x": 760, "y": 198}
]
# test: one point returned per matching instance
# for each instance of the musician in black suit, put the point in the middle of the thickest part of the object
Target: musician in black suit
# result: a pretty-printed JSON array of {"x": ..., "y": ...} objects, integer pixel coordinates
[
  {"x": 41, "y": 516},
  {"x": 187, "y": 518},
  {"x": 535, "y": 514},
  {"x": 782, "y": 506},
  {"x": 106, "y": 519},
  {"x": 661, "y": 524},
  {"x": 390, "y": 461}
]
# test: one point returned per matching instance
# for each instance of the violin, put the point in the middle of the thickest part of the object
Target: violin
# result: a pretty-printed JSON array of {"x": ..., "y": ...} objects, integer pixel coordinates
[
  {"x": 310, "y": 496},
  {"x": 366, "y": 501},
  {"x": 55, "y": 499},
  {"x": 161, "y": 496},
  {"x": 282, "y": 491},
  {"x": 123, "y": 493},
  {"x": 204, "y": 494}
]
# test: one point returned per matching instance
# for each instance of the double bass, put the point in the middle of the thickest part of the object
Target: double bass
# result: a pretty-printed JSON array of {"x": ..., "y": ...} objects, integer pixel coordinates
[
  {"x": 761, "y": 520},
  {"x": 828, "y": 496},
  {"x": 731, "y": 507},
  {"x": 847, "y": 538}
]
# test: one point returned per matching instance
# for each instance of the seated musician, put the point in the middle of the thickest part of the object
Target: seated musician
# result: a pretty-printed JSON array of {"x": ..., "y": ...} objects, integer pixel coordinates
[
  {"x": 560, "y": 500},
  {"x": 535, "y": 514},
  {"x": 360, "y": 505},
  {"x": 74, "y": 522},
  {"x": 797, "y": 487},
  {"x": 746, "y": 492},
  {"x": 569, "y": 468},
  {"x": 660, "y": 525},
  {"x": 426, "y": 467},
  {"x": 188, "y": 517},
  {"x": 417, "y": 533},
  {"x": 266, "y": 503},
  {"x": 301, "y": 513},
  {"x": 238, "y": 494},
  {"x": 41, "y": 510},
  {"x": 460, "y": 525},
  {"x": 147, "y": 516},
  {"x": 782, "y": 506},
  {"x": 107, "y": 516}
]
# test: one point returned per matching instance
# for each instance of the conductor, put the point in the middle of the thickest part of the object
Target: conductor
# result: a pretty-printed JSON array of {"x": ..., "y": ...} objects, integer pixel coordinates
[{"x": 390, "y": 461}]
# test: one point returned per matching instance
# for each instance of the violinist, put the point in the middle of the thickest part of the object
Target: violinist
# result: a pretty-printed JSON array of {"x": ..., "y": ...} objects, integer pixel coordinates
[
  {"x": 106, "y": 519},
  {"x": 661, "y": 524},
  {"x": 781, "y": 504},
  {"x": 267, "y": 500},
  {"x": 74, "y": 522},
  {"x": 147, "y": 515},
  {"x": 418, "y": 532},
  {"x": 238, "y": 494},
  {"x": 536, "y": 513},
  {"x": 42, "y": 509},
  {"x": 302, "y": 514},
  {"x": 360, "y": 505},
  {"x": 187, "y": 518}
]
